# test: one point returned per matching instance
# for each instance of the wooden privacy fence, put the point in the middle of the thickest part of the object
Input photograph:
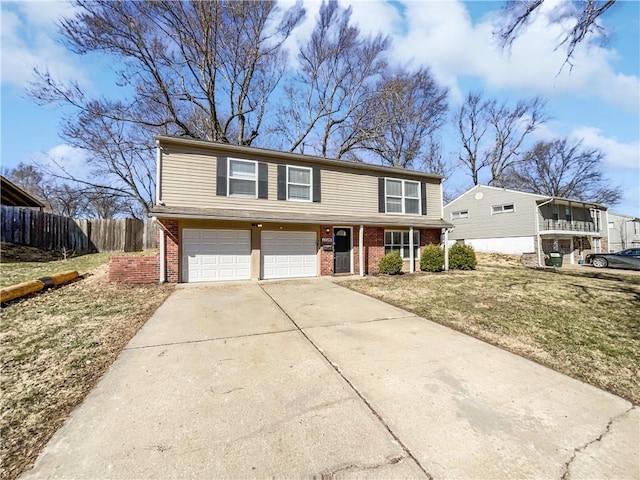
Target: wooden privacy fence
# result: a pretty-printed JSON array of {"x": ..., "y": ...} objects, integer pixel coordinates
[{"x": 54, "y": 232}]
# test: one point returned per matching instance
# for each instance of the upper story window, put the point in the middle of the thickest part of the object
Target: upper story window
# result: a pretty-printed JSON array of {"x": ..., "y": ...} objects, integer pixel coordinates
[
  {"x": 402, "y": 196},
  {"x": 567, "y": 213},
  {"x": 243, "y": 178},
  {"x": 636, "y": 227},
  {"x": 507, "y": 208},
  {"x": 460, "y": 214},
  {"x": 299, "y": 183}
]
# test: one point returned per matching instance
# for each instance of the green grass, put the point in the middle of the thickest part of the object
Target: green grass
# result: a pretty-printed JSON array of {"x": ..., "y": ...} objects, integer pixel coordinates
[{"x": 586, "y": 327}]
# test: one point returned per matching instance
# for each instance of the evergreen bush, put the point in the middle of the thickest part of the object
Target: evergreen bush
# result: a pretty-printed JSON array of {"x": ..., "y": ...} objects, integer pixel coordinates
[
  {"x": 462, "y": 257},
  {"x": 391, "y": 263},
  {"x": 432, "y": 258}
]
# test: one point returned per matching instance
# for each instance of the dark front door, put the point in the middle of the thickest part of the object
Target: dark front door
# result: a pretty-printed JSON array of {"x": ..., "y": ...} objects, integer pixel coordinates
[{"x": 342, "y": 250}]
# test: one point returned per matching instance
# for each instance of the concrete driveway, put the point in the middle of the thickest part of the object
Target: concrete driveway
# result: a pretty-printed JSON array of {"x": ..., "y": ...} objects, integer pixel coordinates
[{"x": 307, "y": 378}]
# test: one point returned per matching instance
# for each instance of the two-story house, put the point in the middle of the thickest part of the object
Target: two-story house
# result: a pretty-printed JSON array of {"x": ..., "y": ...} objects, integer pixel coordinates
[
  {"x": 507, "y": 221},
  {"x": 624, "y": 232},
  {"x": 229, "y": 212}
]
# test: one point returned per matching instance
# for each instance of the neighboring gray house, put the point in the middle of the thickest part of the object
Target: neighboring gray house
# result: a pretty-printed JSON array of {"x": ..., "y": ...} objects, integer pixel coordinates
[
  {"x": 624, "y": 232},
  {"x": 507, "y": 221}
]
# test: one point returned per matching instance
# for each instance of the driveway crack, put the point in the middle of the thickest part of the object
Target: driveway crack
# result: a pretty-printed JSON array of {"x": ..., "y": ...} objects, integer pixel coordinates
[
  {"x": 355, "y": 390},
  {"x": 566, "y": 475},
  {"x": 355, "y": 467}
]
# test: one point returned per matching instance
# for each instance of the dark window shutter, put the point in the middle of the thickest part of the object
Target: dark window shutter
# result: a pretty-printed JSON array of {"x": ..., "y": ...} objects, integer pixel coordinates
[
  {"x": 263, "y": 180},
  {"x": 423, "y": 187},
  {"x": 221, "y": 177},
  {"x": 316, "y": 184},
  {"x": 282, "y": 182},
  {"x": 381, "y": 202}
]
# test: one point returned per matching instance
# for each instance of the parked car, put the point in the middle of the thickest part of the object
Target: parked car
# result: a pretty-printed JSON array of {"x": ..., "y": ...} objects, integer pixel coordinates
[{"x": 629, "y": 258}]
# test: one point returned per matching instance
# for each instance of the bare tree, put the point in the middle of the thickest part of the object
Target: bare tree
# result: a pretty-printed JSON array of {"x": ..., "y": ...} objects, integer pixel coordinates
[
  {"x": 196, "y": 69},
  {"x": 405, "y": 112},
  {"x": 563, "y": 168},
  {"x": 493, "y": 134},
  {"x": 335, "y": 79},
  {"x": 584, "y": 13}
]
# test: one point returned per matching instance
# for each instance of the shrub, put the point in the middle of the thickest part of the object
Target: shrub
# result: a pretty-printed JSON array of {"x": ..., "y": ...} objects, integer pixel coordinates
[
  {"x": 432, "y": 258},
  {"x": 391, "y": 263},
  {"x": 462, "y": 257}
]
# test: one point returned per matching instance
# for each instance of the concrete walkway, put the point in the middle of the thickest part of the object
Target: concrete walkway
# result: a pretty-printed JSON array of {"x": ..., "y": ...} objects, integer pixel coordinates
[{"x": 307, "y": 378}]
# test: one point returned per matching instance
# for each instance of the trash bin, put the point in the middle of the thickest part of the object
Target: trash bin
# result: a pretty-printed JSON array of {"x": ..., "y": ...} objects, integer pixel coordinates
[{"x": 554, "y": 259}]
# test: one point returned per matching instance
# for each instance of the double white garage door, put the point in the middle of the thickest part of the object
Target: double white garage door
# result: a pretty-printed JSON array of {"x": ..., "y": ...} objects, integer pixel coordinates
[{"x": 217, "y": 255}]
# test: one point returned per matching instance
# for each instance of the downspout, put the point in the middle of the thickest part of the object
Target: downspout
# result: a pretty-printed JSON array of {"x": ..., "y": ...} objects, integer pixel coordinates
[
  {"x": 158, "y": 169},
  {"x": 412, "y": 259},
  {"x": 536, "y": 207},
  {"x": 361, "y": 250}
]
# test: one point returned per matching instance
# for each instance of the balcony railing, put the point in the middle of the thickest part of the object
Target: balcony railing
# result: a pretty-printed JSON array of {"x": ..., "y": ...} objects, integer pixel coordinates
[{"x": 569, "y": 226}]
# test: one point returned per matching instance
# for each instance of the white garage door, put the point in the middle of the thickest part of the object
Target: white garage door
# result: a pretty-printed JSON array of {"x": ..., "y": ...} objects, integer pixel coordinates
[
  {"x": 288, "y": 254},
  {"x": 215, "y": 255}
]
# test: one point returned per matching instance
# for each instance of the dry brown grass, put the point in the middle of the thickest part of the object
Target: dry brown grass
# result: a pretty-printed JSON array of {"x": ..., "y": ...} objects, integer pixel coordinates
[
  {"x": 54, "y": 347},
  {"x": 586, "y": 327}
]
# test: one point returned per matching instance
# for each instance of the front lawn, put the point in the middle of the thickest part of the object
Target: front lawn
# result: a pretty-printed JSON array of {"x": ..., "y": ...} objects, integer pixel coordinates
[
  {"x": 588, "y": 328},
  {"x": 56, "y": 344}
]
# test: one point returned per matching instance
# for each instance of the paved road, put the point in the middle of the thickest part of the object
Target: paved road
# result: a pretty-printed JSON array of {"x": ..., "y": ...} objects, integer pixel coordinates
[{"x": 307, "y": 378}]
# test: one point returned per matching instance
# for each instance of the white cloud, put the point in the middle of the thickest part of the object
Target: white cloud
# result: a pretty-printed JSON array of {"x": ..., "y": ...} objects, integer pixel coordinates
[
  {"x": 65, "y": 158},
  {"x": 28, "y": 32},
  {"x": 441, "y": 35},
  {"x": 618, "y": 155}
]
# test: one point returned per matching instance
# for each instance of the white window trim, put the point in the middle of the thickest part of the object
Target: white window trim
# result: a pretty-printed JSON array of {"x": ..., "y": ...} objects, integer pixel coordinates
[
  {"x": 301, "y": 184},
  {"x": 229, "y": 178},
  {"x": 502, "y": 210},
  {"x": 636, "y": 227},
  {"x": 460, "y": 214},
  {"x": 403, "y": 196},
  {"x": 402, "y": 245}
]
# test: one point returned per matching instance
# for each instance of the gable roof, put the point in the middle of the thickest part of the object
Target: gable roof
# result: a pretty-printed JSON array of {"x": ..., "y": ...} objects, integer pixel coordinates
[
  {"x": 276, "y": 154},
  {"x": 14, "y": 196},
  {"x": 538, "y": 196}
]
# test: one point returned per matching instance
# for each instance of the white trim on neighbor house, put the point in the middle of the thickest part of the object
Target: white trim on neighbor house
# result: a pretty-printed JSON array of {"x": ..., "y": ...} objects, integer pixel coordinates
[
  {"x": 508, "y": 245},
  {"x": 460, "y": 214},
  {"x": 503, "y": 208},
  {"x": 538, "y": 196}
]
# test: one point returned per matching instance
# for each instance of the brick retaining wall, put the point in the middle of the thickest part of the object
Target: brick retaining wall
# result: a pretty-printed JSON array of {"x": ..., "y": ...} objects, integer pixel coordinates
[{"x": 134, "y": 269}]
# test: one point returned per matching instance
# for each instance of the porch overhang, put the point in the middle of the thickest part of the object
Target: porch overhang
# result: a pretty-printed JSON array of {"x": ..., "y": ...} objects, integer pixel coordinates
[
  {"x": 569, "y": 233},
  {"x": 380, "y": 220}
]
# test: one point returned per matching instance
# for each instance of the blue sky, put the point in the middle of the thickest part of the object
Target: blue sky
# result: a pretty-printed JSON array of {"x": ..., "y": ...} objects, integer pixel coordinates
[{"x": 598, "y": 101}]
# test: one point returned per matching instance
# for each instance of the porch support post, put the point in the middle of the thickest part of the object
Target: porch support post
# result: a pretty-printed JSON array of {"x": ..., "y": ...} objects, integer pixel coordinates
[
  {"x": 572, "y": 260},
  {"x": 412, "y": 260},
  {"x": 446, "y": 249},
  {"x": 162, "y": 253},
  {"x": 361, "y": 250}
]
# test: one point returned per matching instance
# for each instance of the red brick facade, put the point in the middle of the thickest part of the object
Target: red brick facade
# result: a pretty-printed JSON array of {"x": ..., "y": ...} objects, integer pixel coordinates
[
  {"x": 147, "y": 269},
  {"x": 172, "y": 250},
  {"x": 134, "y": 269},
  {"x": 373, "y": 244}
]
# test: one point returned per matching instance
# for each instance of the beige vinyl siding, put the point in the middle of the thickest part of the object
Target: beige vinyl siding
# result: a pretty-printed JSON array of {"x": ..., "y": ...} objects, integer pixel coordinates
[
  {"x": 481, "y": 223},
  {"x": 188, "y": 179}
]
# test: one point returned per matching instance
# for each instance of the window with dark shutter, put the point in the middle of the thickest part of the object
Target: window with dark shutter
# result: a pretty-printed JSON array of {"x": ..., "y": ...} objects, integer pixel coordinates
[
  {"x": 282, "y": 182},
  {"x": 381, "y": 196},
  {"x": 316, "y": 185},
  {"x": 221, "y": 177},
  {"x": 263, "y": 180}
]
